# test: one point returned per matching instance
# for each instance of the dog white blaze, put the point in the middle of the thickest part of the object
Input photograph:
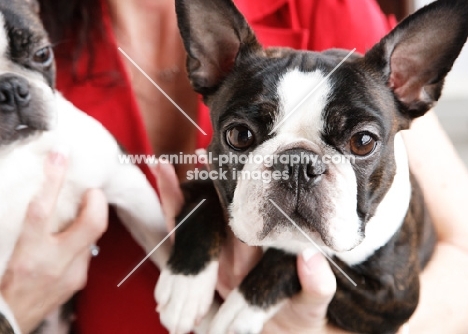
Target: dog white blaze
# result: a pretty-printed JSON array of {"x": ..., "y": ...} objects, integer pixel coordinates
[
  {"x": 300, "y": 129},
  {"x": 302, "y": 120}
]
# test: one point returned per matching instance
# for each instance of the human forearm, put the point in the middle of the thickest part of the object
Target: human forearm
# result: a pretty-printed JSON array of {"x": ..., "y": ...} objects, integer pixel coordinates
[
  {"x": 444, "y": 181},
  {"x": 442, "y": 177}
]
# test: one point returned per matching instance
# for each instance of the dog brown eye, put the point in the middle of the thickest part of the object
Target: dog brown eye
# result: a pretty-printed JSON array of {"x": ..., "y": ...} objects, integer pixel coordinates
[
  {"x": 43, "y": 56},
  {"x": 240, "y": 137},
  {"x": 362, "y": 143}
]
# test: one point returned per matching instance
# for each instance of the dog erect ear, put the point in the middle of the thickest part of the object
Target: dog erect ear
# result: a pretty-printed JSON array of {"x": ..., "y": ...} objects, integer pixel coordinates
[
  {"x": 214, "y": 33},
  {"x": 417, "y": 55}
]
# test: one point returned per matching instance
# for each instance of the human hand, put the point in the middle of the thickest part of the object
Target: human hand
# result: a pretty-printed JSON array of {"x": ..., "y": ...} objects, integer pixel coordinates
[{"x": 47, "y": 269}]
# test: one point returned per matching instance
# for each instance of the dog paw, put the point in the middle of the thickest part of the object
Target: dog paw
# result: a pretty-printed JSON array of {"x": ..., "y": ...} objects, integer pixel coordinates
[
  {"x": 236, "y": 316},
  {"x": 183, "y": 300}
]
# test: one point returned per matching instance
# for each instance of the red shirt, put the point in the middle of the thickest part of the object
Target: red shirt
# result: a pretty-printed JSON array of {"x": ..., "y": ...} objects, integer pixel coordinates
[{"x": 102, "y": 307}]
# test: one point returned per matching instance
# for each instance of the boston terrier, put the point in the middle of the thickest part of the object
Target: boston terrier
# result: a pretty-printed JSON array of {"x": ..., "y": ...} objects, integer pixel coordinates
[
  {"x": 35, "y": 120},
  {"x": 364, "y": 209}
]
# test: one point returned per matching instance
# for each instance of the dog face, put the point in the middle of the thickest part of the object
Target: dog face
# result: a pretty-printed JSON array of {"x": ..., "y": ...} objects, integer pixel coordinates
[
  {"x": 27, "y": 73},
  {"x": 280, "y": 102},
  {"x": 347, "y": 115}
]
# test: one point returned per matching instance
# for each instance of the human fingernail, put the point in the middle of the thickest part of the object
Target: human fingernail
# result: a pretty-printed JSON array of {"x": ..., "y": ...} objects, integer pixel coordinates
[
  {"x": 308, "y": 254},
  {"x": 313, "y": 259},
  {"x": 202, "y": 155},
  {"x": 154, "y": 169},
  {"x": 58, "y": 156},
  {"x": 57, "y": 159},
  {"x": 316, "y": 276}
]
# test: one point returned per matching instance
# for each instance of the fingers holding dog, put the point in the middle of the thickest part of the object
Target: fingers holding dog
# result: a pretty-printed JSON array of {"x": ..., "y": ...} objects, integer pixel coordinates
[
  {"x": 36, "y": 282},
  {"x": 171, "y": 195},
  {"x": 41, "y": 208},
  {"x": 89, "y": 225},
  {"x": 318, "y": 287}
]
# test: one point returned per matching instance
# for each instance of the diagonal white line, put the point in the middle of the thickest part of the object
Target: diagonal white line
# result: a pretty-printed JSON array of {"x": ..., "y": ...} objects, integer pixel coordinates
[
  {"x": 311, "y": 92},
  {"x": 162, "y": 241},
  {"x": 161, "y": 90},
  {"x": 313, "y": 242}
]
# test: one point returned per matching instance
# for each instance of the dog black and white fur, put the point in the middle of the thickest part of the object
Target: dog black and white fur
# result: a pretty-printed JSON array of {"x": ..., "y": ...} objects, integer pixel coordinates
[
  {"x": 368, "y": 214},
  {"x": 34, "y": 120}
]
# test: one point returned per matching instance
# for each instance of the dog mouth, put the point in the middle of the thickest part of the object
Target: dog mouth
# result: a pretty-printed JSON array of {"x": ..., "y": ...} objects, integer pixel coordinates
[
  {"x": 19, "y": 133},
  {"x": 24, "y": 130},
  {"x": 284, "y": 223}
]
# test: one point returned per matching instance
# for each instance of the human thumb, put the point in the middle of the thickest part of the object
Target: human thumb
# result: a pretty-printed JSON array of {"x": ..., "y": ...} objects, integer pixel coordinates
[{"x": 318, "y": 288}]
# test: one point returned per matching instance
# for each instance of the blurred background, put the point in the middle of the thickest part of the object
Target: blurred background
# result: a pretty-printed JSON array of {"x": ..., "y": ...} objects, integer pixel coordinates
[{"x": 452, "y": 109}]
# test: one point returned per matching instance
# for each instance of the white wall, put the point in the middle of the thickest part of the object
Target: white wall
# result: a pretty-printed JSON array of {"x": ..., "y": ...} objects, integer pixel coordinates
[
  {"x": 420, "y": 3},
  {"x": 456, "y": 84}
]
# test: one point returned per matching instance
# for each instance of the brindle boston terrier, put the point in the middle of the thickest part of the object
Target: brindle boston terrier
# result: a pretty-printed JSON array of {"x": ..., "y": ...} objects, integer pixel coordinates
[{"x": 367, "y": 213}]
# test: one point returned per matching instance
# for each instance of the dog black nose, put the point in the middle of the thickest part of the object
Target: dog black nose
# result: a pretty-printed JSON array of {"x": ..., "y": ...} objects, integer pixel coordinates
[
  {"x": 301, "y": 166},
  {"x": 14, "y": 93}
]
